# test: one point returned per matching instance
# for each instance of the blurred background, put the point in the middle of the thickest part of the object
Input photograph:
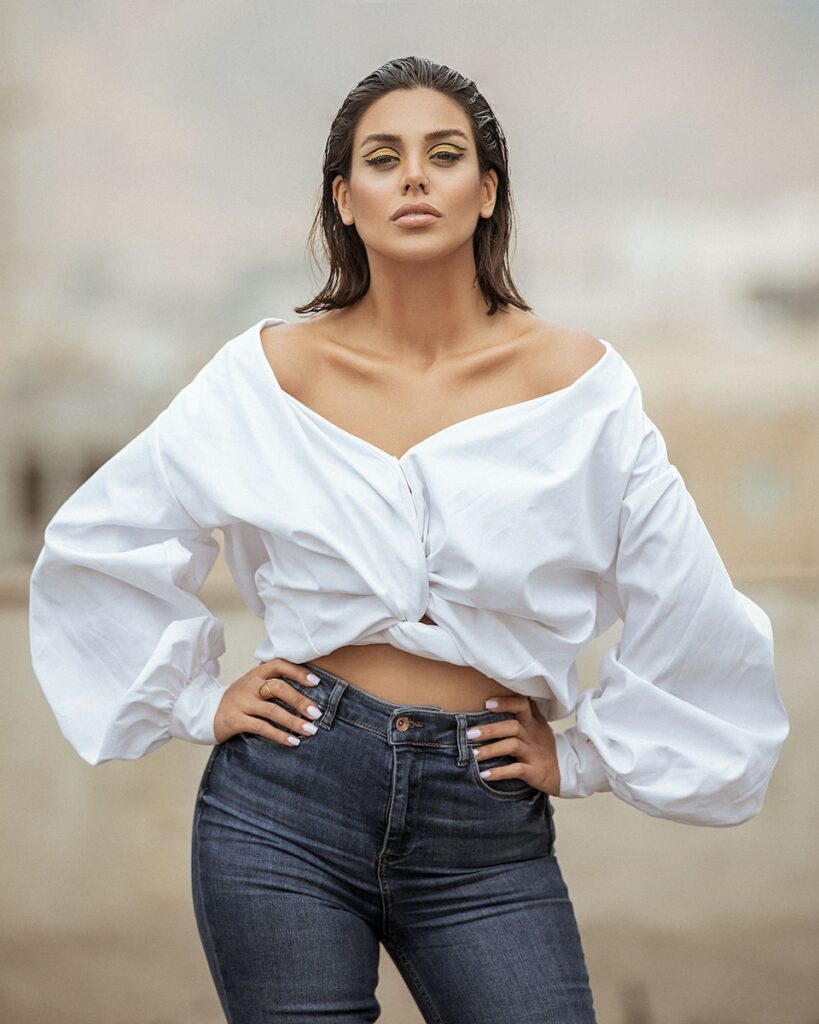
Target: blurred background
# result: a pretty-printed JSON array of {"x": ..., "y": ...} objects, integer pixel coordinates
[{"x": 160, "y": 166}]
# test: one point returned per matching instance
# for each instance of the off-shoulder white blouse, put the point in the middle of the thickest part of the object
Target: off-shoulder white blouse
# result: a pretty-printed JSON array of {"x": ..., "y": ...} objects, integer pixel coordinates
[{"x": 522, "y": 533}]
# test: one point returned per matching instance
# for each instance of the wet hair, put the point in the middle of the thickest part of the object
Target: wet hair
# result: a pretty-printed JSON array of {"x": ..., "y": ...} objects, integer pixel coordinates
[{"x": 349, "y": 274}]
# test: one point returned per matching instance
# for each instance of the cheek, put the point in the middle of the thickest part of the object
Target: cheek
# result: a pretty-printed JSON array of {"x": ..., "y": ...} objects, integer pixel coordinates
[
  {"x": 464, "y": 200},
  {"x": 374, "y": 197},
  {"x": 370, "y": 200}
]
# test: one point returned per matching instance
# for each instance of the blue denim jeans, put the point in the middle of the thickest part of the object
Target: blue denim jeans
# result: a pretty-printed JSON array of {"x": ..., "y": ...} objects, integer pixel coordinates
[{"x": 379, "y": 829}]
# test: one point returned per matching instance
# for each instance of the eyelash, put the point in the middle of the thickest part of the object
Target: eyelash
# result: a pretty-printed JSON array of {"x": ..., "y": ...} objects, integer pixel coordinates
[{"x": 381, "y": 160}]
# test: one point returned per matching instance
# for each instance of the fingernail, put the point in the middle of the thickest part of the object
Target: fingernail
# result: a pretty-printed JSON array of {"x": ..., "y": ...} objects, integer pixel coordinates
[
  {"x": 293, "y": 740},
  {"x": 485, "y": 774},
  {"x": 309, "y": 727},
  {"x": 313, "y": 712},
  {"x": 473, "y": 734},
  {"x": 490, "y": 703},
  {"x": 313, "y": 678}
]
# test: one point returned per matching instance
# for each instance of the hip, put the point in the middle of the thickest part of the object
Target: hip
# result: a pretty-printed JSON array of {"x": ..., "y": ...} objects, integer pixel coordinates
[{"x": 378, "y": 782}]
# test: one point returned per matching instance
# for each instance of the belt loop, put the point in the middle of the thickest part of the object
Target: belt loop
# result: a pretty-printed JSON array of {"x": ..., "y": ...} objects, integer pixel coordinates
[
  {"x": 464, "y": 751},
  {"x": 332, "y": 703}
]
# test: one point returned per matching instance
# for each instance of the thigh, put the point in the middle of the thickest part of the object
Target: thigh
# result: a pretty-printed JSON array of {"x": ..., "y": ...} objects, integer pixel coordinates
[
  {"x": 281, "y": 944},
  {"x": 500, "y": 945}
]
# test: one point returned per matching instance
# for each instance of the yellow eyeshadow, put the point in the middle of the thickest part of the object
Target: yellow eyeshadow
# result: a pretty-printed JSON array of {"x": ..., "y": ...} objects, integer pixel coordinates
[{"x": 389, "y": 151}]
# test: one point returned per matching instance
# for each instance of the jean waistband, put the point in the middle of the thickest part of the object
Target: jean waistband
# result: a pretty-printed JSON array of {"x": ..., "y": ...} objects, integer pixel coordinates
[{"x": 416, "y": 724}]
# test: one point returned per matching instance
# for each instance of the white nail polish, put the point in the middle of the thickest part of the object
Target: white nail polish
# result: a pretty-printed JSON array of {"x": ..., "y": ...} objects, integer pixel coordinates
[
  {"x": 309, "y": 727},
  {"x": 490, "y": 703},
  {"x": 313, "y": 712},
  {"x": 293, "y": 740},
  {"x": 473, "y": 734},
  {"x": 313, "y": 678}
]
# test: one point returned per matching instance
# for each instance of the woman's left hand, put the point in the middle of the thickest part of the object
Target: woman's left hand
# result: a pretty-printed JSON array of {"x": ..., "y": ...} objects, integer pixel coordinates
[{"x": 528, "y": 737}]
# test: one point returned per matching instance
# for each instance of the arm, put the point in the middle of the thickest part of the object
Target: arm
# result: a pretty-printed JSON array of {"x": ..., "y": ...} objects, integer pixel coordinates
[
  {"x": 125, "y": 653},
  {"x": 687, "y": 721}
]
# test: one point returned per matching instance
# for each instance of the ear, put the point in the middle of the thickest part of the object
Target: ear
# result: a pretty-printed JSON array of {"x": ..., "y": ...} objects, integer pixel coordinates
[
  {"x": 489, "y": 192},
  {"x": 341, "y": 197}
]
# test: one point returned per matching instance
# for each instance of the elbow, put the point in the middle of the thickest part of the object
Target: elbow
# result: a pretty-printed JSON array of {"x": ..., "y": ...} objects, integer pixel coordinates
[
  {"x": 708, "y": 795},
  {"x": 735, "y": 808},
  {"x": 744, "y": 793},
  {"x": 712, "y": 809},
  {"x": 101, "y": 753},
  {"x": 87, "y": 744},
  {"x": 92, "y": 757},
  {"x": 106, "y": 742}
]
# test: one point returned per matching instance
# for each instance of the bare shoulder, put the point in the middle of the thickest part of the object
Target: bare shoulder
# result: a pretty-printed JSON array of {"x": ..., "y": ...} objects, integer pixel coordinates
[
  {"x": 560, "y": 355},
  {"x": 284, "y": 346},
  {"x": 282, "y": 336}
]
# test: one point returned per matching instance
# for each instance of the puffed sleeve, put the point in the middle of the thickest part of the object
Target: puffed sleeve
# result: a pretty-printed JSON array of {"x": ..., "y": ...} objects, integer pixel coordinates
[
  {"x": 126, "y": 654},
  {"x": 687, "y": 721}
]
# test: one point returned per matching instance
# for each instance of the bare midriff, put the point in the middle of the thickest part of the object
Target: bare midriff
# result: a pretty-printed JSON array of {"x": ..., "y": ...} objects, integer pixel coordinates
[{"x": 402, "y": 678}]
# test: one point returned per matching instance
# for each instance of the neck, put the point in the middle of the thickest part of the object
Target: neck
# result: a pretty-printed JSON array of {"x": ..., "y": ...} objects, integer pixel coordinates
[{"x": 419, "y": 313}]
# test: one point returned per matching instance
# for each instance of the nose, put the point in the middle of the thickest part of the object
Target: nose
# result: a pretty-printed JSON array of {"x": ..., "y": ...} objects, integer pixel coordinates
[{"x": 414, "y": 178}]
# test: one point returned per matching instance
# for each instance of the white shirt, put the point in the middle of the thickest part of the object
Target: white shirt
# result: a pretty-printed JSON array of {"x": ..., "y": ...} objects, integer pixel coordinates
[{"x": 522, "y": 533}]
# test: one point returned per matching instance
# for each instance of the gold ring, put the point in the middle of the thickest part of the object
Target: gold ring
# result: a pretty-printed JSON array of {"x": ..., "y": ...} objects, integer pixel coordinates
[{"x": 264, "y": 683}]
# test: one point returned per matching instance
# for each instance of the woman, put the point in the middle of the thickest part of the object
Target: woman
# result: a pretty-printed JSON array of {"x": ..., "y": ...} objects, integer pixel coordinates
[{"x": 434, "y": 499}]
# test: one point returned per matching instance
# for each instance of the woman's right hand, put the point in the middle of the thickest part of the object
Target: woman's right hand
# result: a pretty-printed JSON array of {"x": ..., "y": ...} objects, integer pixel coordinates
[{"x": 242, "y": 709}]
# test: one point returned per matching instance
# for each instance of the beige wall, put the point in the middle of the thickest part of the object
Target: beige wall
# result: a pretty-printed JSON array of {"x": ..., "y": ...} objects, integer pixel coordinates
[{"x": 755, "y": 480}]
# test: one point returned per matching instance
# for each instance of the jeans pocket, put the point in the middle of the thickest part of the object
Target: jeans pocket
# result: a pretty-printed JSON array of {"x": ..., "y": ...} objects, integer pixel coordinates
[{"x": 501, "y": 789}]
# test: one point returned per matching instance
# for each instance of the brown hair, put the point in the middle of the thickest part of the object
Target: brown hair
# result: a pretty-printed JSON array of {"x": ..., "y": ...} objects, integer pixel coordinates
[{"x": 349, "y": 274}]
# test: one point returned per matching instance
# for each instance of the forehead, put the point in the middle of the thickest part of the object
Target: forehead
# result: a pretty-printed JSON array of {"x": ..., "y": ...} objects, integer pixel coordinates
[{"x": 412, "y": 113}]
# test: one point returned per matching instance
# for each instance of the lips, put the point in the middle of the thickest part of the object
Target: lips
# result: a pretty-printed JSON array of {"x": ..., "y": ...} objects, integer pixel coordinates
[{"x": 415, "y": 208}]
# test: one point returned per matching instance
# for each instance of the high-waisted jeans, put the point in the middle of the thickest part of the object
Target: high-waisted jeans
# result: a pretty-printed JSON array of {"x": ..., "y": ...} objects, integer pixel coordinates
[{"x": 379, "y": 829}]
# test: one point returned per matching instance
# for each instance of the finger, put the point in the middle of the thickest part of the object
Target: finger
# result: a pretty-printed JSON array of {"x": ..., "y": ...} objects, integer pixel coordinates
[
  {"x": 519, "y": 705},
  {"x": 508, "y": 745},
  {"x": 279, "y": 666},
  {"x": 515, "y": 770},
  {"x": 301, "y": 726},
  {"x": 261, "y": 727},
  {"x": 494, "y": 730},
  {"x": 505, "y": 771},
  {"x": 279, "y": 690}
]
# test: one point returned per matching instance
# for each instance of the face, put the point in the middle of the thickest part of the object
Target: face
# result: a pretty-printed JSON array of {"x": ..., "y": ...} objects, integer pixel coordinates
[{"x": 442, "y": 171}]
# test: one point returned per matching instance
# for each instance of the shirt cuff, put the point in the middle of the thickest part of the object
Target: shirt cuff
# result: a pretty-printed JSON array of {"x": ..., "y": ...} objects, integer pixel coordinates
[
  {"x": 194, "y": 710},
  {"x": 582, "y": 771}
]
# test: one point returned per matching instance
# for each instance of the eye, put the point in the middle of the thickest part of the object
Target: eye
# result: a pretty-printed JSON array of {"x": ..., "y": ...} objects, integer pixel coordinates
[
  {"x": 376, "y": 160},
  {"x": 450, "y": 156}
]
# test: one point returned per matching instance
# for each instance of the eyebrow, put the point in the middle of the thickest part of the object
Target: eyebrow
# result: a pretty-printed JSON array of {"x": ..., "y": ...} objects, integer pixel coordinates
[{"x": 442, "y": 133}]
